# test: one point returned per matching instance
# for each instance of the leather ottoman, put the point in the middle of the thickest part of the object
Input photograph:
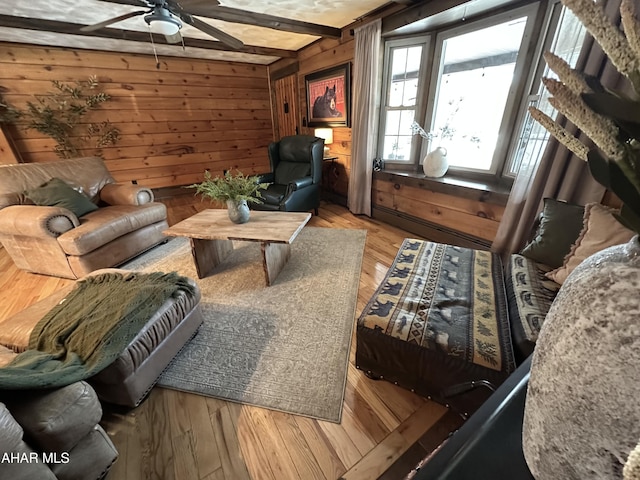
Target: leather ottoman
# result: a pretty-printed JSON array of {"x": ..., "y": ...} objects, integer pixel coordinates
[{"x": 130, "y": 377}]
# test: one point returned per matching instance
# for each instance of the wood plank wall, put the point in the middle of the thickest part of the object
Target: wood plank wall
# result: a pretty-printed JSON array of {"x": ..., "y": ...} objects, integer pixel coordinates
[
  {"x": 470, "y": 215},
  {"x": 176, "y": 121},
  {"x": 321, "y": 55}
]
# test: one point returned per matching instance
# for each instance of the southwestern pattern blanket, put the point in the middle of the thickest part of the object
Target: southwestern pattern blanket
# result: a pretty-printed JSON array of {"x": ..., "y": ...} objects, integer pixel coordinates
[{"x": 439, "y": 318}]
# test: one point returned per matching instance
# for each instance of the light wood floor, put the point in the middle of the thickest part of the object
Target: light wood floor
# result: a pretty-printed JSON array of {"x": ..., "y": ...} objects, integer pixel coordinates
[{"x": 175, "y": 435}]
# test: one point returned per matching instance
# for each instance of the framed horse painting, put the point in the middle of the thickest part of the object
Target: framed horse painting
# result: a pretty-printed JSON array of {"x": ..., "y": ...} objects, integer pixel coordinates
[{"x": 329, "y": 97}]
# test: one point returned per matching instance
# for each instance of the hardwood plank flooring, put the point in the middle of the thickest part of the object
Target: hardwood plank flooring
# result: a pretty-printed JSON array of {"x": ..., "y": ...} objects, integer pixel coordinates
[{"x": 177, "y": 435}]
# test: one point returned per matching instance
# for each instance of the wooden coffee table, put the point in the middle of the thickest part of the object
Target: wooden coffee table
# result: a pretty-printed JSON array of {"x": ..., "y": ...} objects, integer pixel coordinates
[{"x": 212, "y": 233}]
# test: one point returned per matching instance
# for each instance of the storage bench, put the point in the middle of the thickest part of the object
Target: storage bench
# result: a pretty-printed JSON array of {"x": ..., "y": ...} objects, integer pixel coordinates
[{"x": 438, "y": 324}]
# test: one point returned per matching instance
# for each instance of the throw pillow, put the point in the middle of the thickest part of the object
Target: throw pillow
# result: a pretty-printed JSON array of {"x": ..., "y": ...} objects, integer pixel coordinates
[
  {"x": 57, "y": 193},
  {"x": 600, "y": 230},
  {"x": 560, "y": 225}
]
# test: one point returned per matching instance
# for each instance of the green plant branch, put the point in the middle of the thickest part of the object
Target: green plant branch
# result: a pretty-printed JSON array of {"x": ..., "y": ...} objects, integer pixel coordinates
[
  {"x": 230, "y": 187},
  {"x": 59, "y": 115}
]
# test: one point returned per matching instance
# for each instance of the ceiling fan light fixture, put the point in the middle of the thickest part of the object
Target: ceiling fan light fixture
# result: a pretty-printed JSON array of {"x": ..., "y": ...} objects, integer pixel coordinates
[{"x": 162, "y": 22}]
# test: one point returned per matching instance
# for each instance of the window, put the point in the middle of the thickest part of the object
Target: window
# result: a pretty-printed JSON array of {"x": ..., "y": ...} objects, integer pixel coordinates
[
  {"x": 403, "y": 61},
  {"x": 565, "y": 40},
  {"x": 472, "y": 90}
]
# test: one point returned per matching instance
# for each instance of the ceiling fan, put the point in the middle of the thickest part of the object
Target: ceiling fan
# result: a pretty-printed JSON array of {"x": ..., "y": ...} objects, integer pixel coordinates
[{"x": 166, "y": 17}]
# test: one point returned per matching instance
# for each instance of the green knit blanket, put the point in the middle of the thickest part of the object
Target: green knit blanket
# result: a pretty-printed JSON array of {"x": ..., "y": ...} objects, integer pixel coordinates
[{"x": 90, "y": 328}]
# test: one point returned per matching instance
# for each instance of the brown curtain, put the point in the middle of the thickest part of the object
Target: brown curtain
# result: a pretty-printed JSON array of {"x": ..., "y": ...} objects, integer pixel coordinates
[{"x": 559, "y": 174}]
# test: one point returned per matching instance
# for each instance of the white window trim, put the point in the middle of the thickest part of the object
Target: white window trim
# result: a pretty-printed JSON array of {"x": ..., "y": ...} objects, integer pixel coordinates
[{"x": 423, "y": 85}]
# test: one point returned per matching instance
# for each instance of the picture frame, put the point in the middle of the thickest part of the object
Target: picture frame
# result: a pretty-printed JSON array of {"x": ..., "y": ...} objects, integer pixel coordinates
[{"x": 328, "y": 94}]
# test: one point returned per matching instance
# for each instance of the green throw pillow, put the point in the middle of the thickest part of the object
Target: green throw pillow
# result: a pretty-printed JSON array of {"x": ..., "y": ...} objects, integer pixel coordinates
[
  {"x": 57, "y": 193},
  {"x": 559, "y": 228}
]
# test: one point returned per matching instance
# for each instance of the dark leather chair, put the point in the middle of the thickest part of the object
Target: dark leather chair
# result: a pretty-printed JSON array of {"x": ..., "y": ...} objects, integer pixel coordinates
[{"x": 296, "y": 172}]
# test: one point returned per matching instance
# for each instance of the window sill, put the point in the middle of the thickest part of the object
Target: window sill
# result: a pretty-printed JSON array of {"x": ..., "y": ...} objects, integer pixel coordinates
[{"x": 449, "y": 184}]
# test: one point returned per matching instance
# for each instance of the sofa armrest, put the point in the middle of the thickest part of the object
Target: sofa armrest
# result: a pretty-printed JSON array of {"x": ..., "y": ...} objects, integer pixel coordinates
[
  {"x": 125, "y": 194},
  {"x": 10, "y": 431},
  {"x": 55, "y": 420},
  {"x": 36, "y": 221}
]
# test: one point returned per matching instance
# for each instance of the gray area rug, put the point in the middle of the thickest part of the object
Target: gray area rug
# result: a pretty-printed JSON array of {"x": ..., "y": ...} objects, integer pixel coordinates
[{"x": 283, "y": 347}]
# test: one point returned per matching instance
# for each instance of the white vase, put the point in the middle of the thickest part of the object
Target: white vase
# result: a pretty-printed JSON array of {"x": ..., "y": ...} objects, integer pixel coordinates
[
  {"x": 435, "y": 164},
  {"x": 582, "y": 415},
  {"x": 238, "y": 211}
]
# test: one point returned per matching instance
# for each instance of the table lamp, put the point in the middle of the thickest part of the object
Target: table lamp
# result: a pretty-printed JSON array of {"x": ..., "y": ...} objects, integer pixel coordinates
[{"x": 327, "y": 134}]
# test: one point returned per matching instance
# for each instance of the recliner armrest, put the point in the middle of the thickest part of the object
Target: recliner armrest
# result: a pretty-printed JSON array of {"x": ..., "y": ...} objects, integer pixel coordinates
[
  {"x": 299, "y": 183},
  {"x": 36, "y": 221},
  {"x": 125, "y": 194}
]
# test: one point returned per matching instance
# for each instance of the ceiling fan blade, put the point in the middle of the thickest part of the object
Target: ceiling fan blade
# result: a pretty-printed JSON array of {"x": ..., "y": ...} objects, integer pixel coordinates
[
  {"x": 225, "y": 38},
  {"x": 98, "y": 26}
]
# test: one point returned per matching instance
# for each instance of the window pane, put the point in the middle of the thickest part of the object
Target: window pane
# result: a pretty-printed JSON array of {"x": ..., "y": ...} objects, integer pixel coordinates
[
  {"x": 533, "y": 138},
  {"x": 475, "y": 77},
  {"x": 405, "y": 66},
  {"x": 397, "y": 135}
]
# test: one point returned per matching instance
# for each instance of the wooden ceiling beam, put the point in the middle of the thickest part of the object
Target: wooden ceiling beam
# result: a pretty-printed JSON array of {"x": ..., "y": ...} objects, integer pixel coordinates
[
  {"x": 417, "y": 12},
  {"x": 208, "y": 9},
  {"x": 132, "y": 36}
]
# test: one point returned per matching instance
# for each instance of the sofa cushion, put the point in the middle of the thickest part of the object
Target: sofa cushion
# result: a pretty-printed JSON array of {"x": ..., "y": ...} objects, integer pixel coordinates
[
  {"x": 274, "y": 194},
  {"x": 529, "y": 296},
  {"x": 108, "y": 223},
  {"x": 559, "y": 228},
  {"x": 600, "y": 230},
  {"x": 57, "y": 193},
  {"x": 15, "y": 331}
]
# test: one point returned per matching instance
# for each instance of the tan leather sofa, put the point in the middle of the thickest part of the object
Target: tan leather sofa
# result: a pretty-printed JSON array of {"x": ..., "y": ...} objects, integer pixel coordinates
[
  {"x": 53, "y": 241},
  {"x": 54, "y": 434}
]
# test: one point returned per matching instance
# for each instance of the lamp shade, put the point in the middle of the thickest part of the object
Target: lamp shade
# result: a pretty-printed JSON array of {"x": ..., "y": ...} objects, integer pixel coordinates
[{"x": 326, "y": 133}]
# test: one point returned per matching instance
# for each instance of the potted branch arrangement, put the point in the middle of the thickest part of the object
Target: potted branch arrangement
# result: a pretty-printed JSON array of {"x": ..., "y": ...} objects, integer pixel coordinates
[
  {"x": 63, "y": 114},
  {"x": 237, "y": 191}
]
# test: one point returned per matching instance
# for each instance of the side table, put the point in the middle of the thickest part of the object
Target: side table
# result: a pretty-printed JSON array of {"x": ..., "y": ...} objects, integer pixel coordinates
[{"x": 329, "y": 180}]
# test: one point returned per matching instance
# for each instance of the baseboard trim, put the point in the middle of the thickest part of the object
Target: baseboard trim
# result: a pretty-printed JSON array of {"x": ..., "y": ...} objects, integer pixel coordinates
[{"x": 431, "y": 231}]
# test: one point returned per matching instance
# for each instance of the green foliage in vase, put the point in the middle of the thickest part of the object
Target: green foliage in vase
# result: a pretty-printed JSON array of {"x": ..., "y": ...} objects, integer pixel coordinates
[
  {"x": 611, "y": 119},
  {"x": 230, "y": 187},
  {"x": 61, "y": 113}
]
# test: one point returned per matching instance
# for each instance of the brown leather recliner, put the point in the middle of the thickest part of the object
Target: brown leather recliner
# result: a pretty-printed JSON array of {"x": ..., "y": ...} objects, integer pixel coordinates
[{"x": 53, "y": 241}]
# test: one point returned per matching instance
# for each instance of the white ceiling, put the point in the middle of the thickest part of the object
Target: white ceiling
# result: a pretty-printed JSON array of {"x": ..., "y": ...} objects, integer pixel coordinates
[{"x": 334, "y": 13}]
